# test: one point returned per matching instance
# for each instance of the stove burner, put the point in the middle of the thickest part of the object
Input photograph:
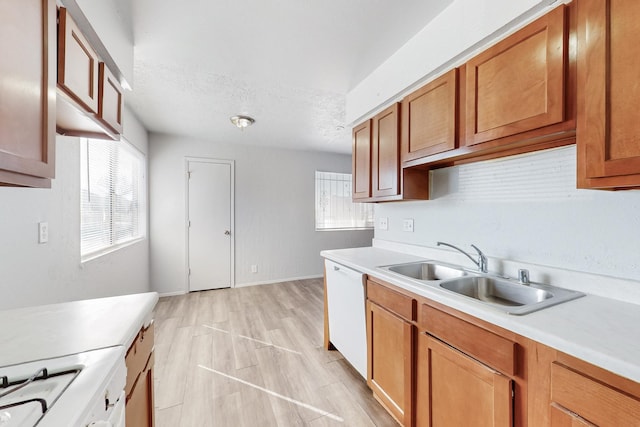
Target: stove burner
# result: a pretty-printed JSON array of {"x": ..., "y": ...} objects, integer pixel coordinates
[
  {"x": 23, "y": 383},
  {"x": 26, "y": 391},
  {"x": 42, "y": 402}
]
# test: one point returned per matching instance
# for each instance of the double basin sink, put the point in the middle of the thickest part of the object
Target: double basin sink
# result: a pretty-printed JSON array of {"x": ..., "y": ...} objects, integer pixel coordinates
[{"x": 501, "y": 293}]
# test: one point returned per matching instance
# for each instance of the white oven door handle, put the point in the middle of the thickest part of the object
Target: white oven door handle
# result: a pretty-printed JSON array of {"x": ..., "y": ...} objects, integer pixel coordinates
[
  {"x": 117, "y": 415},
  {"x": 116, "y": 419}
]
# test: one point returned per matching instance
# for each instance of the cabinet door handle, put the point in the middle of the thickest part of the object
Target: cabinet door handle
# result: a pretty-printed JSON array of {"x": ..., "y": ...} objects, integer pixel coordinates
[{"x": 336, "y": 268}]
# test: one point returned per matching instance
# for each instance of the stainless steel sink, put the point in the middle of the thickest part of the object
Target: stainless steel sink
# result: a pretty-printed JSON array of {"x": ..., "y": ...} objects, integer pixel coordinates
[
  {"x": 508, "y": 296},
  {"x": 426, "y": 270}
]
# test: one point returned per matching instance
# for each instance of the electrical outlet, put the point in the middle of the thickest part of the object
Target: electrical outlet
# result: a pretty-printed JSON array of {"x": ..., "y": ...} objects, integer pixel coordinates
[
  {"x": 383, "y": 223},
  {"x": 254, "y": 268},
  {"x": 43, "y": 232},
  {"x": 407, "y": 225}
]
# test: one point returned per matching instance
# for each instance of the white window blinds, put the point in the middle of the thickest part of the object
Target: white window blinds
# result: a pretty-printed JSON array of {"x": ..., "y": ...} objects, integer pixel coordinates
[
  {"x": 334, "y": 208},
  {"x": 112, "y": 201}
]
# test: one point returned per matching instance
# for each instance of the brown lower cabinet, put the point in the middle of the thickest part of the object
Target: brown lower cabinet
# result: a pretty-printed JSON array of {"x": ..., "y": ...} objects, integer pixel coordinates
[
  {"x": 465, "y": 373},
  {"x": 390, "y": 368},
  {"x": 139, "y": 410},
  {"x": 431, "y": 365},
  {"x": 462, "y": 391},
  {"x": 390, "y": 339},
  {"x": 584, "y": 400}
]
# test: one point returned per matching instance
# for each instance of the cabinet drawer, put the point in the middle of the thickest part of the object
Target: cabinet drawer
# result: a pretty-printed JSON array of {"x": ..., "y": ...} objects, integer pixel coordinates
[
  {"x": 485, "y": 346},
  {"x": 396, "y": 302},
  {"x": 593, "y": 400},
  {"x": 138, "y": 355}
]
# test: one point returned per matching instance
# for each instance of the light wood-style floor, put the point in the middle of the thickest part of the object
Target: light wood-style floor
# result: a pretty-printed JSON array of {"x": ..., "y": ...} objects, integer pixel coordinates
[{"x": 253, "y": 356}]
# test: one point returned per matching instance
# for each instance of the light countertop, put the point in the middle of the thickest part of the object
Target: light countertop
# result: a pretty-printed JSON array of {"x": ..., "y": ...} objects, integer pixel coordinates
[
  {"x": 43, "y": 332},
  {"x": 599, "y": 330}
]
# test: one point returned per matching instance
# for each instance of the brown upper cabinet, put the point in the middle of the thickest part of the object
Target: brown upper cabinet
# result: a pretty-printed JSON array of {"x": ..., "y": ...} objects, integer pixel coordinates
[
  {"x": 28, "y": 109},
  {"x": 110, "y": 99},
  {"x": 463, "y": 391},
  {"x": 385, "y": 156},
  {"x": 361, "y": 158},
  {"x": 377, "y": 173},
  {"x": 608, "y": 129},
  {"x": 89, "y": 98},
  {"x": 519, "y": 84},
  {"x": 429, "y": 118},
  {"x": 516, "y": 96},
  {"x": 77, "y": 64}
]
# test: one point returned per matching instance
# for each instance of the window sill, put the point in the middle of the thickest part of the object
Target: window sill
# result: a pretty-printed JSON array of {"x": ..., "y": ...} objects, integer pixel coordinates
[{"x": 98, "y": 254}]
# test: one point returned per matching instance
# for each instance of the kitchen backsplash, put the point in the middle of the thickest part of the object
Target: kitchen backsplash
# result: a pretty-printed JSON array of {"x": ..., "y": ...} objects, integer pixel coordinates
[{"x": 525, "y": 208}]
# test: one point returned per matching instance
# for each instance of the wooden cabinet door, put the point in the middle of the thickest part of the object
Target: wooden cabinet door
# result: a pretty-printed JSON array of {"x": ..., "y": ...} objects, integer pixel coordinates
[
  {"x": 139, "y": 411},
  {"x": 518, "y": 84},
  {"x": 385, "y": 156},
  {"x": 110, "y": 99},
  {"x": 27, "y": 92},
  {"x": 463, "y": 392},
  {"x": 429, "y": 118},
  {"x": 608, "y": 129},
  {"x": 361, "y": 154},
  {"x": 421, "y": 401},
  {"x": 77, "y": 64},
  {"x": 389, "y": 361}
]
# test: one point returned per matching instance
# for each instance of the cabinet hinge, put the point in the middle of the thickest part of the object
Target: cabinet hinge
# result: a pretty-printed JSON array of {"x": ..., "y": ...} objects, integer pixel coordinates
[{"x": 189, "y": 175}]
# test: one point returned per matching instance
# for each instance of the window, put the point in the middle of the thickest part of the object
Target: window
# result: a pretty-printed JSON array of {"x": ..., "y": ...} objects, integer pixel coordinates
[
  {"x": 334, "y": 208},
  {"x": 112, "y": 200}
]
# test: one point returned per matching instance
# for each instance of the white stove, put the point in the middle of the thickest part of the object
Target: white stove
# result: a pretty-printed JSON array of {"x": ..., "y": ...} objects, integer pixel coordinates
[{"x": 84, "y": 389}]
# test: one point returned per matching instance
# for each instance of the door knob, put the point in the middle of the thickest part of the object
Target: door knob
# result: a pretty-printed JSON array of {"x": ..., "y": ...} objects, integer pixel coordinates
[{"x": 227, "y": 233}]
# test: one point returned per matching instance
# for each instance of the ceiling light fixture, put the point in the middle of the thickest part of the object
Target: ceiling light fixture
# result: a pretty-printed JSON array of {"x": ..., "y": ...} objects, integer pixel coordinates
[{"x": 242, "y": 121}]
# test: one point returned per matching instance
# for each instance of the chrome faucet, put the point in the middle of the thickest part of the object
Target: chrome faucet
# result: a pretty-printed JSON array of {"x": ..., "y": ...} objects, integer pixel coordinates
[{"x": 481, "y": 262}]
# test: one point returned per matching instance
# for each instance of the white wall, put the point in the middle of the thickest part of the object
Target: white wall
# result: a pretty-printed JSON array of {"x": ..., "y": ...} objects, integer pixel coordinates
[
  {"x": 526, "y": 208},
  {"x": 32, "y": 273},
  {"x": 274, "y": 211}
]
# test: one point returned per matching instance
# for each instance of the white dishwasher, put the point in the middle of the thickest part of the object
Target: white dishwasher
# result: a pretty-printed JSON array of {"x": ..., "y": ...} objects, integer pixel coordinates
[{"x": 346, "y": 309}]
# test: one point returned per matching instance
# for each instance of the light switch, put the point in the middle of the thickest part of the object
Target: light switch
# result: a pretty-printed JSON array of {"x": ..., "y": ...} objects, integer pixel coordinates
[
  {"x": 43, "y": 232},
  {"x": 254, "y": 268},
  {"x": 407, "y": 225},
  {"x": 383, "y": 223}
]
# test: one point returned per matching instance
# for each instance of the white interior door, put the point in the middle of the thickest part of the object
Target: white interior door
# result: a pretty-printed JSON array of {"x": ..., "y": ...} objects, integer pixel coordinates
[{"x": 210, "y": 224}]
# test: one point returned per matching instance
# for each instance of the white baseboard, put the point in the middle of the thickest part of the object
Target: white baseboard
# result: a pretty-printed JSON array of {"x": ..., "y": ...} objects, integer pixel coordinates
[
  {"x": 242, "y": 285},
  {"x": 172, "y": 294},
  {"x": 269, "y": 282}
]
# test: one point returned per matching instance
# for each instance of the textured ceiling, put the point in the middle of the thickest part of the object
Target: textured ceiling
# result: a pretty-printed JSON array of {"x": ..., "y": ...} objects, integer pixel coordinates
[{"x": 287, "y": 63}]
